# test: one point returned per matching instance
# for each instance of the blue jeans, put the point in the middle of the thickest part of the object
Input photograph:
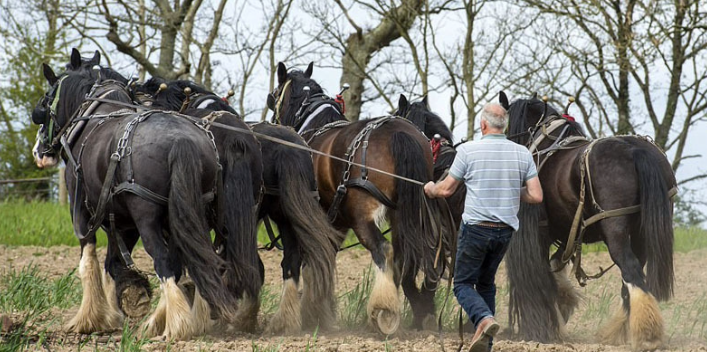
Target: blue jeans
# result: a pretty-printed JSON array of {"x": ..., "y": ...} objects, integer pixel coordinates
[{"x": 479, "y": 252}]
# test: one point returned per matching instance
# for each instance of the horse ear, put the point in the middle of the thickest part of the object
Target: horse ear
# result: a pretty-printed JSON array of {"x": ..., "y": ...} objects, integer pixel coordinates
[
  {"x": 281, "y": 73},
  {"x": 96, "y": 60},
  {"x": 308, "y": 71},
  {"x": 535, "y": 95},
  {"x": 75, "y": 59},
  {"x": 424, "y": 101},
  {"x": 402, "y": 103},
  {"x": 503, "y": 100},
  {"x": 49, "y": 74}
]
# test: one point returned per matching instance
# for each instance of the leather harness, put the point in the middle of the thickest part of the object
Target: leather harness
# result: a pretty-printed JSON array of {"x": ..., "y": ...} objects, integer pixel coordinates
[
  {"x": 123, "y": 151},
  {"x": 359, "y": 142}
]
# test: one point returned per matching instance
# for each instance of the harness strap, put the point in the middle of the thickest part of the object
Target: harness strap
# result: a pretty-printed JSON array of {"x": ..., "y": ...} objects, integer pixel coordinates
[
  {"x": 372, "y": 189},
  {"x": 571, "y": 238},
  {"x": 99, "y": 214},
  {"x": 140, "y": 191},
  {"x": 124, "y": 251},
  {"x": 274, "y": 240}
]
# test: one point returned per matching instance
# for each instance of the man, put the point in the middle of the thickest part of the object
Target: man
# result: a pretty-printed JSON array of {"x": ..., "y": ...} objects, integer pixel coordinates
[{"x": 494, "y": 171}]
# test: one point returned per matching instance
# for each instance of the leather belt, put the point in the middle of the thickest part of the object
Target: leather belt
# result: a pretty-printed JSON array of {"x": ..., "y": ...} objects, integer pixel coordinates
[{"x": 496, "y": 225}]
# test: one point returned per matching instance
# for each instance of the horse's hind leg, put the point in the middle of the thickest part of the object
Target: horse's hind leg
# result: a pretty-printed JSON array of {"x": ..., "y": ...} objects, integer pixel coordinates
[
  {"x": 421, "y": 301},
  {"x": 95, "y": 313},
  {"x": 173, "y": 317},
  {"x": 638, "y": 321},
  {"x": 288, "y": 318},
  {"x": 125, "y": 288},
  {"x": 384, "y": 303}
]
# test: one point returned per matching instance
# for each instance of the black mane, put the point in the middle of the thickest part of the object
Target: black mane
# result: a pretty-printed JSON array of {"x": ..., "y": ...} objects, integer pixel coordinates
[
  {"x": 427, "y": 121},
  {"x": 525, "y": 113},
  {"x": 173, "y": 97},
  {"x": 75, "y": 85}
]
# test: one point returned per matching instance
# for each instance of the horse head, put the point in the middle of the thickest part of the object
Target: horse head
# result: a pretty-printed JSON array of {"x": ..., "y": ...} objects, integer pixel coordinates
[
  {"x": 60, "y": 104},
  {"x": 295, "y": 90},
  {"x": 420, "y": 115},
  {"x": 527, "y": 116}
]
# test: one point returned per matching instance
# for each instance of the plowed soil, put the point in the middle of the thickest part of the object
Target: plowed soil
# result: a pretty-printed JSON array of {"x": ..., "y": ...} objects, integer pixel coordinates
[{"x": 685, "y": 315}]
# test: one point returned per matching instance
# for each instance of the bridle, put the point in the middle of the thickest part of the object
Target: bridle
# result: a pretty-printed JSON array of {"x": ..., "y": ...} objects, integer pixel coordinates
[
  {"x": 50, "y": 122},
  {"x": 276, "y": 98},
  {"x": 52, "y": 138}
]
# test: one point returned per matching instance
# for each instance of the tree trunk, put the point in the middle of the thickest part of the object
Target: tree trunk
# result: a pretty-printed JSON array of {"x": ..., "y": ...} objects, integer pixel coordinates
[{"x": 360, "y": 46}]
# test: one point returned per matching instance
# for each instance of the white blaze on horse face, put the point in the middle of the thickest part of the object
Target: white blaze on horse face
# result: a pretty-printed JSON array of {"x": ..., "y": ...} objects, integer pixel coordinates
[
  {"x": 41, "y": 160},
  {"x": 35, "y": 152}
]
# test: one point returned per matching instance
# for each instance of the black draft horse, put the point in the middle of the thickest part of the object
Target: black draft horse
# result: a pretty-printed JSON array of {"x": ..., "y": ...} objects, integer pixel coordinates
[
  {"x": 164, "y": 170},
  {"x": 290, "y": 199},
  {"x": 624, "y": 172},
  {"x": 232, "y": 217},
  {"x": 369, "y": 198}
]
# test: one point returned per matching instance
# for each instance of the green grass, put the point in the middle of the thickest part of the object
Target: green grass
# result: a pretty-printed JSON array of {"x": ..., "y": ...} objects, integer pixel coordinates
[
  {"x": 48, "y": 224},
  {"x": 29, "y": 296}
]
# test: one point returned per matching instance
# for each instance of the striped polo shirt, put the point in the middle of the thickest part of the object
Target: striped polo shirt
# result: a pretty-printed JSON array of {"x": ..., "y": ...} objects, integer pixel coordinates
[{"x": 493, "y": 169}]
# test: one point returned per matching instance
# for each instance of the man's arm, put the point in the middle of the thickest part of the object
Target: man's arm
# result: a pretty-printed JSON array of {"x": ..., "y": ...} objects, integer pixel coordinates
[
  {"x": 532, "y": 192},
  {"x": 444, "y": 188}
]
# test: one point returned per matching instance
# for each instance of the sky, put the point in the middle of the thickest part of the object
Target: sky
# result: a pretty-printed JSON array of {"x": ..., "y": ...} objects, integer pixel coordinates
[{"x": 447, "y": 27}]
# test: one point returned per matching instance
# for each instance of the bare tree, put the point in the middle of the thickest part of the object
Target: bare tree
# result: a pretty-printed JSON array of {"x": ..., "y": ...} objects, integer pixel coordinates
[
  {"x": 619, "y": 51},
  {"x": 358, "y": 48}
]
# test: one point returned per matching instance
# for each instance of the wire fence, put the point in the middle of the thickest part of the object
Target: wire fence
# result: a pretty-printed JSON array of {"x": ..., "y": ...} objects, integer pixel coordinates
[{"x": 51, "y": 188}]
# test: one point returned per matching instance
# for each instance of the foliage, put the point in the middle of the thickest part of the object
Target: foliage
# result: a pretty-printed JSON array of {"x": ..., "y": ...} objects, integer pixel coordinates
[{"x": 24, "y": 45}]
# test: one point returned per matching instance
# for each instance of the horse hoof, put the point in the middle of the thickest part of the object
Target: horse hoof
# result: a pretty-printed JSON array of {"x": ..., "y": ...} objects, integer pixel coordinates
[
  {"x": 429, "y": 323},
  {"x": 135, "y": 302},
  {"x": 387, "y": 321}
]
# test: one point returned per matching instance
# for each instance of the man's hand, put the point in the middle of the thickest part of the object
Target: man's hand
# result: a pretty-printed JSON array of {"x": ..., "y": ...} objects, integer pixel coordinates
[{"x": 429, "y": 189}]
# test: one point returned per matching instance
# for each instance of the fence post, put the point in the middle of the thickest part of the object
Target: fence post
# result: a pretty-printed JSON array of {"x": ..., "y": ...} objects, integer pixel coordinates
[{"x": 62, "y": 186}]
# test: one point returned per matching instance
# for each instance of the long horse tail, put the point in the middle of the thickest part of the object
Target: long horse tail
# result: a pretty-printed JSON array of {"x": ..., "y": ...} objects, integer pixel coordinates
[
  {"x": 317, "y": 238},
  {"x": 533, "y": 289},
  {"x": 415, "y": 237},
  {"x": 240, "y": 189},
  {"x": 656, "y": 225},
  {"x": 189, "y": 230}
]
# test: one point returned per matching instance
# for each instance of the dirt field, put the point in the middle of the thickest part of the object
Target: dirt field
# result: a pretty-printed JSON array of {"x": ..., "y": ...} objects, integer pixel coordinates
[{"x": 685, "y": 316}]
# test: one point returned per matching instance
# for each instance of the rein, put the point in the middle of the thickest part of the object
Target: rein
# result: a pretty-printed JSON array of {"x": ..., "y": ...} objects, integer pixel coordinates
[{"x": 270, "y": 138}]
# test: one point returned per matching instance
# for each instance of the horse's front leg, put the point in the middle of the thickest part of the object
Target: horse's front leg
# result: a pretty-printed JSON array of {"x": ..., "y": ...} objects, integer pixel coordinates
[{"x": 96, "y": 312}]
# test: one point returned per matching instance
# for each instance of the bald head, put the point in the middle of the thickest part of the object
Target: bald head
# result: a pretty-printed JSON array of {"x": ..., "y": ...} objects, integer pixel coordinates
[{"x": 495, "y": 116}]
